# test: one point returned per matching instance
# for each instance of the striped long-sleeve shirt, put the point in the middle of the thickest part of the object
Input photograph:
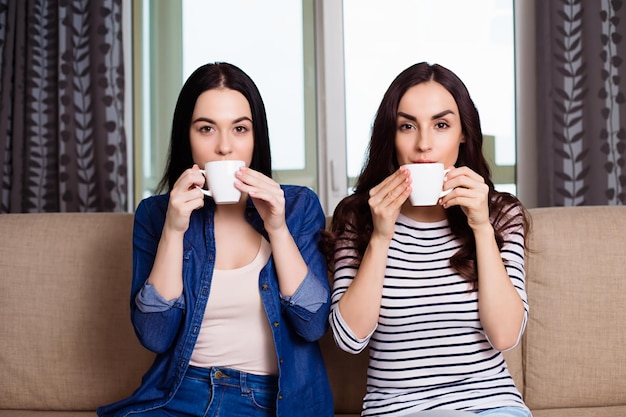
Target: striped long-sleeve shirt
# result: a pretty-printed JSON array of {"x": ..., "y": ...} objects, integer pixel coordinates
[{"x": 429, "y": 350}]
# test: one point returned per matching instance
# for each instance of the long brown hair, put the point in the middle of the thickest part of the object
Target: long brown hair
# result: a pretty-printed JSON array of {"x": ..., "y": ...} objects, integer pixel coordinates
[{"x": 352, "y": 219}]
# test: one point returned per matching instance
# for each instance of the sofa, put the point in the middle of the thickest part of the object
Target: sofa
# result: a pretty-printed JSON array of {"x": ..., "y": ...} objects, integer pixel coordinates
[{"x": 67, "y": 345}]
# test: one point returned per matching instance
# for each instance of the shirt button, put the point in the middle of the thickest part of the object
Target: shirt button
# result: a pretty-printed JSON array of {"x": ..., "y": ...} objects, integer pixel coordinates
[
  {"x": 280, "y": 397},
  {"x": 275, "y": 324},
  {"x": 281, "y": 361},
  {"x": 264, "y": 287}
]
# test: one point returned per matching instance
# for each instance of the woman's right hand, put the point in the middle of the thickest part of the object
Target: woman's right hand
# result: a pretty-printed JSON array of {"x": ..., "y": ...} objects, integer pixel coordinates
[
  {"x": 385, "y": 202},
  {"x": 185, "y": 197}
]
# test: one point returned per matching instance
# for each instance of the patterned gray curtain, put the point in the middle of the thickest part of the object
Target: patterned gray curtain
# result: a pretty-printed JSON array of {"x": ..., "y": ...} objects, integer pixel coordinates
[
  {"x": 62, "y": 137},
  {"x": 581, "y": 122}
]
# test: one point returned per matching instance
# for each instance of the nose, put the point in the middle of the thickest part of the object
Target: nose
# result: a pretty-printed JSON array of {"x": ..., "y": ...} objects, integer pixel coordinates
[
  {"x": 423, "y": 142},
  {"x": 224, "y": 146}
]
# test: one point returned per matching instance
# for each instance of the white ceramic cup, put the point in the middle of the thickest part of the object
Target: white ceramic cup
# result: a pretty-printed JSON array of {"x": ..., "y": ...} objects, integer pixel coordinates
[
  {"x": 220, "y": 181},
  {"x": 427, "y": 183}
]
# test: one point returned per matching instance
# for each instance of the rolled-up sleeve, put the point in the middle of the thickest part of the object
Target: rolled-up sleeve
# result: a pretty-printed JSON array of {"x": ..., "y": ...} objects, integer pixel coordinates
[
  {"x": 148, "y": 300},
  {"x": 310, "y": 295}
]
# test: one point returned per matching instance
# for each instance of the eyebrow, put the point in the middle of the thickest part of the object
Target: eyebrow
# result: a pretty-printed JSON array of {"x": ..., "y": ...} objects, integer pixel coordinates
[
  {"x": 206, "y": 119},
  {"x": 436, "y": 116}
]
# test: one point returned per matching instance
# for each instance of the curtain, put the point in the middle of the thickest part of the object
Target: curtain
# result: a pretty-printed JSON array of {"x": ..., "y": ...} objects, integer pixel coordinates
[
  {"x": 62, "y": 136},
  {"x": 581, "y": 118}
]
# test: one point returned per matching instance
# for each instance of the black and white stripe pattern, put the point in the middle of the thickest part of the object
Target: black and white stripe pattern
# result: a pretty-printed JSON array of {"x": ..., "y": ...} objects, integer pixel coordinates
[{"x": 429, "y": 350}]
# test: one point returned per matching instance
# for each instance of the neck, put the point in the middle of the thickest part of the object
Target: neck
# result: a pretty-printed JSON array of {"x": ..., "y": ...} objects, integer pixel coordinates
[
  {"x": 235, "y": 210},
  {"x": 425, "y": 214}
]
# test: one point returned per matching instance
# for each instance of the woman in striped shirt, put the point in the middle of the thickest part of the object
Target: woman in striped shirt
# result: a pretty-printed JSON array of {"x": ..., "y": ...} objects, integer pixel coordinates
[{"x": 436, "y": 292}]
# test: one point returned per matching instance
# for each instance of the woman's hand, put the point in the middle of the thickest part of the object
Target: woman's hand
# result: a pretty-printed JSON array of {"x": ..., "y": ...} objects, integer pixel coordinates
[
  {"x": 470, "y": 192},
  {"x": 185, "y": 197},
  {"x": 268, "y": 197},
  {"x": 386, "y": 199}
]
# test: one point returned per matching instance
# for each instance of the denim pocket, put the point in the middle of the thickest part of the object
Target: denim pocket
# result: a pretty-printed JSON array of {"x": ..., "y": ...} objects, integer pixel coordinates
[
  {"x": 193, "y": 396},
  {"x": 263, "y": 399}
]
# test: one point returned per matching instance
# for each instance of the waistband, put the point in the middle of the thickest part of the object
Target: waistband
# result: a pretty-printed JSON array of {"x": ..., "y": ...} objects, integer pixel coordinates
[{"x": 233, "y": 377}]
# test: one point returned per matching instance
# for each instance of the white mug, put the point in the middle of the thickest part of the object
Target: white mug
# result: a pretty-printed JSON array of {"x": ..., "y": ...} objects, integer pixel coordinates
[
  {"x": 220, "y": 181},
  {"x": 427, "y": 183}
]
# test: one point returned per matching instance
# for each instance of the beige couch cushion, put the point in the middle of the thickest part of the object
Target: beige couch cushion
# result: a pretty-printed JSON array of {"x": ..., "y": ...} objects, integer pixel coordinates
[
  {"x": 73, "y": 273},
  {"x": 577, "y": 295},
  {"x": 618, "y": 411}
]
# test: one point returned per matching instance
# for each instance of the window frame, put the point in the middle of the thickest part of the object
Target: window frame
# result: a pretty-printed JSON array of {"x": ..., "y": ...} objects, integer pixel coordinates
[
  {"x": 157, "y": 60},
  {"x": 325, "y": 119}
]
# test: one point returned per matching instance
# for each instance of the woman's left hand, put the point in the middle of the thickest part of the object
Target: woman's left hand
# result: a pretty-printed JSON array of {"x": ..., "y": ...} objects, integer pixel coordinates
[
  {"x": 470, "y": 192},
  {"x": 268, "y": 197}
]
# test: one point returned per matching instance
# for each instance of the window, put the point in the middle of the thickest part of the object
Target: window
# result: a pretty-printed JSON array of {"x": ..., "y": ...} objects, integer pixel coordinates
[
  {"x": 247, "y": 34},
  {"x": 383, "y": 38},
  {"x": 322, "y": 68}
]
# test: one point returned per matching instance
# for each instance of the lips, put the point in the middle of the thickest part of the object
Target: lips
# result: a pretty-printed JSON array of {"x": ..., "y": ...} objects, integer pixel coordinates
[{"x": 424, "y": 161}]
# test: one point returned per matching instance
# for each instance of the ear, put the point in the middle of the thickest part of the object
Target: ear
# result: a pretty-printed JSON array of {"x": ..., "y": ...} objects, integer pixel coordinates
[{"x": 462, "y": 139}]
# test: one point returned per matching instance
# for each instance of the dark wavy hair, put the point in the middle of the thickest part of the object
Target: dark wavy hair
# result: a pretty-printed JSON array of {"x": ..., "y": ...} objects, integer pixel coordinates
[
  {"x": 208, "y": 77},
  {"x": 352, "y": 219}
]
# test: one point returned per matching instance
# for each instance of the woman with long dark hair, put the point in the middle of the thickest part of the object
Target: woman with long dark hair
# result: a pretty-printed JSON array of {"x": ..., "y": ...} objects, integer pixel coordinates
[
  {"x": 232, "y": 298},
  {"x": 436, "y": 291}
]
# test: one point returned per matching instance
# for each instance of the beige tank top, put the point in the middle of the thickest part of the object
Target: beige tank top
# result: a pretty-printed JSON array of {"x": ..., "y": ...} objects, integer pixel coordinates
[{"x": 235, "y": 332}]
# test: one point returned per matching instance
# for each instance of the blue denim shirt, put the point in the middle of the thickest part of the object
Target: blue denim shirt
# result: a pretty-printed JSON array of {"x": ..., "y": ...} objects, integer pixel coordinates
[{"x": 171, "y": 329}]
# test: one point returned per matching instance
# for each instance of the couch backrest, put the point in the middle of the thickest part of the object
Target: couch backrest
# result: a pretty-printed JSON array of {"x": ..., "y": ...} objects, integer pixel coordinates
[
  {"x": 574, "y": 345},
  {"x": 66, "y": 278}
]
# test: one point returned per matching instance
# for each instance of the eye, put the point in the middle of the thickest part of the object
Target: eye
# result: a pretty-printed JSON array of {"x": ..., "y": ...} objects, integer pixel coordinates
[
  {"x": 241, "y": 129},
  {"x": 405, "y": 126},
  {"x": 441, "y": 125},
  {"x": 205, "y": 129}
]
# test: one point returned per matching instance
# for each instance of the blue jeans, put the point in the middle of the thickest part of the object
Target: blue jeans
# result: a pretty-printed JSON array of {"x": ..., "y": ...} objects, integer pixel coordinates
[
  {"x": 506, "y": 412},
  {"x": 221, "y": 392},
  {"x": 494, "y": 412}
]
